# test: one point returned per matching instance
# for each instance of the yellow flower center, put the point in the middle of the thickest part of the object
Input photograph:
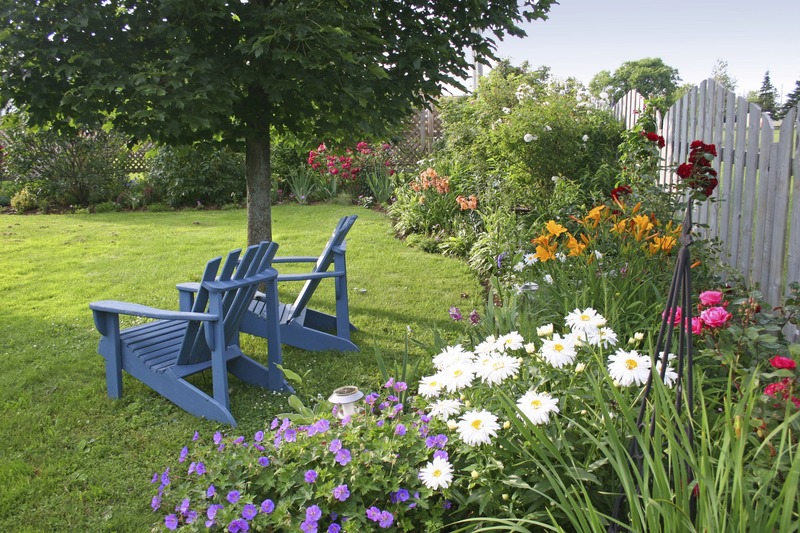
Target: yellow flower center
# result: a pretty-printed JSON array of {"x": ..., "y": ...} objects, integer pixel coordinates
[
  {"x": 536, "y": 404},
  {"x": 558, "y": 347},
  {"x": 585, "y": 318},
  {"x": 458, "y": 373},
  {"x": 630, "y": 364},
  {"x": 437, "y": 473},
  {"x": 477, "y": 424}
]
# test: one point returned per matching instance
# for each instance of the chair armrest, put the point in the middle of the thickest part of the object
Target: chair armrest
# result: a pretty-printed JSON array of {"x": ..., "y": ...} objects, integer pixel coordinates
[
  {"x": 188, "y": 286},
  {"x": 310, "y": 275},
  {"x": 296, "y": 259},
  {"x": 125, "y": 308}
]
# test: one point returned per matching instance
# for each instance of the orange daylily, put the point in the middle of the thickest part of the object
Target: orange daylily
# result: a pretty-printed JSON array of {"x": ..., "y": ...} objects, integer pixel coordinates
[{"x": 554, "y": 228}]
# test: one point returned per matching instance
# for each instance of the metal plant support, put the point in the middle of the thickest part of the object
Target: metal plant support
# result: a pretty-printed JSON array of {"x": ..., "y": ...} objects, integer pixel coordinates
[{"x": 680, "y": 294}]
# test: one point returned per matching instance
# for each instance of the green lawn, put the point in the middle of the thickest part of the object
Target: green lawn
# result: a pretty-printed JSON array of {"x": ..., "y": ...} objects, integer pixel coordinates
[{"x": 74, "y": 460}]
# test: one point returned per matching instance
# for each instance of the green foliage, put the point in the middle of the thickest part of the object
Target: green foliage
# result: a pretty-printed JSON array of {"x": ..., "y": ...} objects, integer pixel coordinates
[
  {"x": 767, "y": 96},
  {"x": 202, "y": 173},
  {"x": 106, "y": 207},
  {"x": 792, "y": 100},
  {"x": 82, "y": 168},
  {"x": 303, "y": 183},
  {"x": 650, "y": 77},
  {"x": 25, "y": 200},
  {"x": 234, "y": 72}
]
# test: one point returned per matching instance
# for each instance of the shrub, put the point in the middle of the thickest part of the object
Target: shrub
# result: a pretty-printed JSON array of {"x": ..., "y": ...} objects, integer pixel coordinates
[
  {"x": 364, "y": 170},
  {"x": 107, "y": 207},
  {"x": 25, "y": 200},
  {"x": 205, "y": 173},
  {"x": 78, "y": 169}
]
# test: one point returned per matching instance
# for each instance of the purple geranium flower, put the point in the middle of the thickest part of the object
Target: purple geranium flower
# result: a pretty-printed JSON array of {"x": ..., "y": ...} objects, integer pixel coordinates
[
  {"x": 290, "y": 435},
  {"x": 402, "y": 495},
  {"x": 217, "y": 437},
  {"x": 259, "y": 436},
  {"x": 249, "y": 512},
  {"x": 308, "y": 526},
  {"x": 370, "y": 398},
  {"x": 310, "y": 476},
  {"x": 184, "y": 454},
  {"x": 341, "y": 493},
  {"x": 334, "y": 528},
  {"x": 400, "y": 386},
  {"x": 386, "y": 519},
  {"x": 184, "y": 506},
  {"x": 313, "y": 513},
  {"x": 233, "y": 496},
  {"x": 455, "y": 313},
  {"x": 263, "y": 461},
  {"x": 373, "y": 513},
  {"x": 343, "y": 456},
  {"x": 211, "y": 491},
  {"x": 440, "y": 454},
  {"x": 267, "y": 506},
  {"x": 239, "y": 525},
  {"x": 155, "y": 503},
  {"x": 171, "y": 521},
  {"x": 200, "y": 469},
  {"x": 400, "y": 430},
  {"x": 474, "y": 317},
  {"x": 335, "y": 445},
  {"x": 196, "y": 436}
]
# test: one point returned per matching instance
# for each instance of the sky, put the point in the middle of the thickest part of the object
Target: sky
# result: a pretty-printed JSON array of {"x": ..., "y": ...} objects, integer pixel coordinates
[{"x": 583, "y": 37}]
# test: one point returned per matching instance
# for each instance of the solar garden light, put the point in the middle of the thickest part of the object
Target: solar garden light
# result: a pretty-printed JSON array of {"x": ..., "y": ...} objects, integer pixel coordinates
[{"x": 345, "y": 398}]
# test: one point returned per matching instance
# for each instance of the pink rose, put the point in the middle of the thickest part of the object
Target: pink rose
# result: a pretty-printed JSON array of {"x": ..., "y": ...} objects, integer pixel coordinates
[
  {"x": 697, "y": 325},
  {"x": 678, "y": 314},
  {"x": 715, "y": 317},
  {"x": 782, "y": 362},
  {"x": 773, "y": 388},
  {"x": 710, "y": 298}
]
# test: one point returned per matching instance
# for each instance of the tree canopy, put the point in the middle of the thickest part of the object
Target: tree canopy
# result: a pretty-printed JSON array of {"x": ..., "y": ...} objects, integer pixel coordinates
[
  {"x": 792, "y": 100},
  {"x": 650, "y": 76},
  {"x": 179, "y": 71},
  {"x": 719, "y": 72}
]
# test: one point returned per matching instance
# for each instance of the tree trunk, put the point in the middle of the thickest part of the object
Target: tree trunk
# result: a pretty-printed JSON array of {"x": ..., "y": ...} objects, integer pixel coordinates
[{"x": 259, "y": 187}]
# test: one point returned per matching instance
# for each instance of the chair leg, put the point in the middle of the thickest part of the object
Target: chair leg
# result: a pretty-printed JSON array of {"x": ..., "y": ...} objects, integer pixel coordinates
[{"x": 114, "y": 359}]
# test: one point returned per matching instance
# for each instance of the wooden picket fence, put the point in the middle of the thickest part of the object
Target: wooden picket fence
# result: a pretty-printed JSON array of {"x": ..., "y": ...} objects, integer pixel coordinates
[{"x": 756, "y": 212}]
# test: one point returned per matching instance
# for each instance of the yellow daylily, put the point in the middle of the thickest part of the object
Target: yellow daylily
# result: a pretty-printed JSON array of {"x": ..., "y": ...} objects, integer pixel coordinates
[{"x": 554, "y": 228}]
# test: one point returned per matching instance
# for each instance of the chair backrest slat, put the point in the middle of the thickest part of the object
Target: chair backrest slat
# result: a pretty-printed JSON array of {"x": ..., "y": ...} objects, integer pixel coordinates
[
  {"x": 323, "y": 263},
  {"x": 256, "y": 259}
]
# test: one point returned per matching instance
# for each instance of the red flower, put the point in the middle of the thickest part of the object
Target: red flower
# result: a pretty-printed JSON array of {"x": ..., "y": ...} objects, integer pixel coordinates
[
  {"x": 619, "y": 191},
  {"x": 782, "y": 362},
  {"x": 772, "y": 388},
  {"x": 685, "y": 170}
]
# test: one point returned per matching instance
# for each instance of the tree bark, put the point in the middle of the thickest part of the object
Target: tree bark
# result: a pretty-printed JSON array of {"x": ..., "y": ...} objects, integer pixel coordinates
[{"x": 259, "y": 187}]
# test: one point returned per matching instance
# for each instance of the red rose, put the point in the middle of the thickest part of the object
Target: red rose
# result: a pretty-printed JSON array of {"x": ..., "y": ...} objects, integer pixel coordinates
[
  {"x": 684, "y": 170},
  {"x": 782, "y": 362},
  {"x": 652, "y": 136}
]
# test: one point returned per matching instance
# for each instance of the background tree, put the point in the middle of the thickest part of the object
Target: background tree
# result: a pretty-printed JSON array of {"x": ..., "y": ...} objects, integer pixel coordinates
[
  {"x": 650, "y": 76},
  {"x": 180, "y": 71},
  {"x": 719, "y": 72},
  {"x": 767, "y": 96},
  {"x": 792, "y": 100}
]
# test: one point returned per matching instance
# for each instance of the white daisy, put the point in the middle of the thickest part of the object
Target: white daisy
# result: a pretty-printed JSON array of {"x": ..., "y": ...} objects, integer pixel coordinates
[
  {"x": 457, "y": 377},
  {"x": 604, "y": 337},
  {"x": 444, "y": 409},
  {"x": 452, "y": 355},
  {"x": 510, "y": 341},
  {"x": 585, "y": 138},
  {"x": 558, "y": 351},
  {"x": 498, "y": 368},
  {"x": 477, "y": 427},
  {"x": 544, "y": 331},
  {"x": 431, "y": 386},
  {"x": 628, "y": 368},
  {"x": 537, "y": 406},
  {"x": 437, "y": 474},
  {"x": 548, "y": 279},
  {"x": 489, "y": 345},
  {"x": 586, "y": 321},
  {"x": 530, "y": 258},
  {"x": 670, "y": 376},
  {"x": 519, "y": 267}
]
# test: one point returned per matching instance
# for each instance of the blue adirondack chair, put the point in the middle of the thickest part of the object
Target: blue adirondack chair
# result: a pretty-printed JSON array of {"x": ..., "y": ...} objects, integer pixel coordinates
[
  {"x": 303, "y": 327},
  {"x": 162, "y": 353}
]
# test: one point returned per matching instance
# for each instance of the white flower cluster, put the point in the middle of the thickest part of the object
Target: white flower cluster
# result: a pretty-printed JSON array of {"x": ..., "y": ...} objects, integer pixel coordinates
[{"x": 525, "y": 91}]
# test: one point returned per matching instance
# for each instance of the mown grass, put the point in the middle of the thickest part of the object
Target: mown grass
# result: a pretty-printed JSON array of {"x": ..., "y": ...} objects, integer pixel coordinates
[{"x": 74, "y": 460}]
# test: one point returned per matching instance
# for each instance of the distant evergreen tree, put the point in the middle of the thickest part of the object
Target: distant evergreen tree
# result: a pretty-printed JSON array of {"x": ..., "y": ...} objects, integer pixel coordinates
[
  {"x": 792, "y": 99},
  {"x": 768, "y": 96}
]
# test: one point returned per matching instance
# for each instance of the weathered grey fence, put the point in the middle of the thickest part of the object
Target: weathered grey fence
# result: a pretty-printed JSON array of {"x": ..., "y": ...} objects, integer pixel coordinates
[{"x": 756, "y": 215}]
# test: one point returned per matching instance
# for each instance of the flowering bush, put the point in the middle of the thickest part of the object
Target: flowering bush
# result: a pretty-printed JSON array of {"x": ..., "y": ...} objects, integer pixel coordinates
[
  {"x": 697, "y": 173},
  {"x": 383, "y": 468},
  {"x": 427, "y": 204},
  {"x": 365, "y": 169}
]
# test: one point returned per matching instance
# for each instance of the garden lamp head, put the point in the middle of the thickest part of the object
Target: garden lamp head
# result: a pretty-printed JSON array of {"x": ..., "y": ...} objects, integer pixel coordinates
[{"x": 345, "y": 399}]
